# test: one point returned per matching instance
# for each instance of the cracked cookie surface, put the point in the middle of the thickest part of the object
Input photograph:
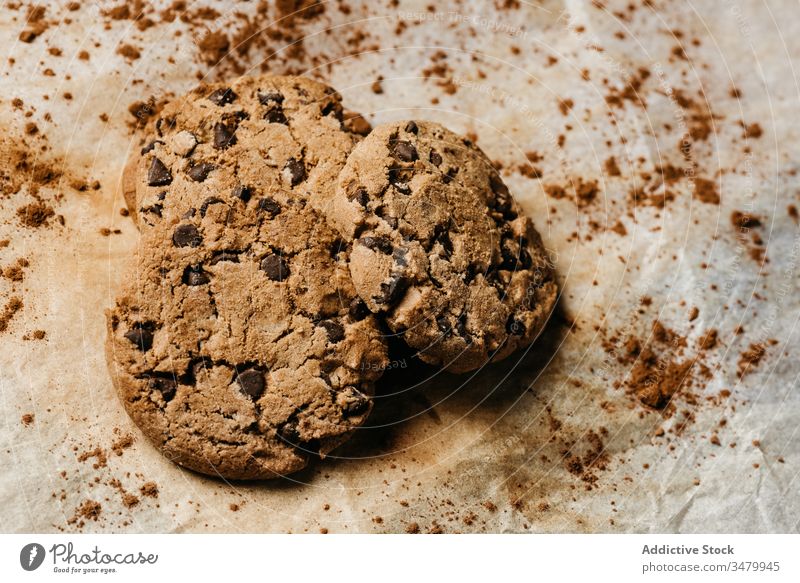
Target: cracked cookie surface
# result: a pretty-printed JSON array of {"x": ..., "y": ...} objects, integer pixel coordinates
[
  {"x": 237, "y": 343},
  {"x": 440, "y": 248}
]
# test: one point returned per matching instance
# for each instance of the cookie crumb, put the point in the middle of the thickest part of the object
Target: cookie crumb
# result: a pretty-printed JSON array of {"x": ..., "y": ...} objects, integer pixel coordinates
[
  {"x": 27, "y": 419},
  {"x": 121, "y": 444},
  {"x": 149, "y": 489}
]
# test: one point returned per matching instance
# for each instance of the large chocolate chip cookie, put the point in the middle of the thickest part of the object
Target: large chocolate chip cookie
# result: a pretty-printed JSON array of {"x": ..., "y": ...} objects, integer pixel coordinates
[{"x": 238, "y": 344}]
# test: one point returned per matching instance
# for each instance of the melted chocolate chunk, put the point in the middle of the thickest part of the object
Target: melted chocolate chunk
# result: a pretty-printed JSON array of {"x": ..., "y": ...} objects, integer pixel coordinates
[
  {"x": 404, "y": 151},
  {"x": 186, "y": 236},
  {"x": 275, "y": 267},
  {"x": 158, "y": 174},
  {"x": 270, "y": 206},
  {"x": 356, "y": 404},
  {"x": 270, "y": 98},
  {"x": 194, "y": 275},
  {"x": 296, "y": 170},
  {"x": 141, "y": 335},
  {"x": 359, "y": 195},
  {"x": 224, "y": 136},
  {"x": 222, "y": 97},
  {"x": 150, "y": 147},
  {"x": 251, "y": 382},
  {"x": 399, "y": 178},
  {"x": 199, "y": 172},
  {"x": 333, "y": 107},
  {"x": 435, "y": 158},
  {"x": 242, "y": 192},
  {"x": 289, "y": 433},
  {"x": 411, "y": 127},
  {"x": 232, "y": 256},
  {"x": 358, "y": 310},
  {"x": 393, "y": 291},
  {"x": 166, "y": 386},
  {"x": 276, "y": 115},
  {"x": 334, "y": 329},
  {"x": 497, "y": 186},
  {"x": 379, "y": 243},
  {"x": 208, "y": 202}
]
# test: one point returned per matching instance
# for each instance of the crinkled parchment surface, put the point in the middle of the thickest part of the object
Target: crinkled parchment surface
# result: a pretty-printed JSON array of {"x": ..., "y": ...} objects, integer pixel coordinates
[{"x": 491, "y": 451}]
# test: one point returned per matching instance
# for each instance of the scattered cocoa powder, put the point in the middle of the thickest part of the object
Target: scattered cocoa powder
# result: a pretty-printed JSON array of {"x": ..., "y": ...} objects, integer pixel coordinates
[
  {"x": 89, "y": 510},
  {"x": 35, "y": 214},
  {"x": 13, "y": 306}
]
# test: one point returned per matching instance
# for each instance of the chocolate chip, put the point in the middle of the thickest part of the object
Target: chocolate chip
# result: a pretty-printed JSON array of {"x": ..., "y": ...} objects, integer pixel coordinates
[
  {"x": 251, "y": 382},
  {"x": 161, "y": 122},
  {"x": 271, "y": 97},
  {"x": 404, "y": 151},
  {"x": 471, "y": 272},
  {"x": 515, "y": 327},
  {"x": 356, "y": 404},
  {"x": 393, "y": 291},
  {"x": 444, "y": 325},
  {"x": 199, "y": 172},
  {"x": 461, "y": 325},
  {"x": 382, "y": 244},
  {"x": 411, "y": 127},
  {"x": 270, "y": 206},
  {"x": 242, "y": 192},
  {"x": 448, "y": 177},
  {"x": 359, "y": 194},
  {"x": 222, "y": 97},
  {"x": 276, "y": 115},
  {"x": 167, "y": 387},
  {"x": 514, "y": 256},
  {"x": 141, "y": 336},
  {"x": 358, "y": 310},
  {"x": 150, "y": 147},
  {"x": 333, "y": 107},
  {"x": 289, "y": 433},
  {"x": 275, "y": 267},
  {"x": 337, "y": 247},
  {"x": 208, "y": 202},
  {"x": 186, "y": 236},
  {"x": 296, "y": 171},
  {"x": 232, "y": 256},
  {"x": 194, "y": 275},
  {"x": 334, "y": 329},
  {"x": 497, "y": 186},
  {"x": 158, "y": 174},
  {"x": 435, "y": 158},
  {"x": 224, "y": 136},
  {"x": 399, "y": 178},
  {"x": 154, "y": 209}
]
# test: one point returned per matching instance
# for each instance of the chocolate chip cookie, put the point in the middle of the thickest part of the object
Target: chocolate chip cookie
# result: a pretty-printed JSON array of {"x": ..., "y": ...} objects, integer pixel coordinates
[
  {"x": 238, "y": 343},
  {"x": 290, "y": 132},
  {"x": 441, "y": 250}
]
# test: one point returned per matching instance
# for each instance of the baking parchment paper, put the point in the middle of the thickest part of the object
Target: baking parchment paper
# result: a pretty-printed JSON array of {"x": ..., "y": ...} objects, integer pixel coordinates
[{"x": 539, "y": 86}]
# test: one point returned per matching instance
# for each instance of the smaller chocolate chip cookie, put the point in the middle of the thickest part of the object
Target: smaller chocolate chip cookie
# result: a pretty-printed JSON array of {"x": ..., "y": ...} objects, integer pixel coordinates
[{"x": 441, "y": 249}]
